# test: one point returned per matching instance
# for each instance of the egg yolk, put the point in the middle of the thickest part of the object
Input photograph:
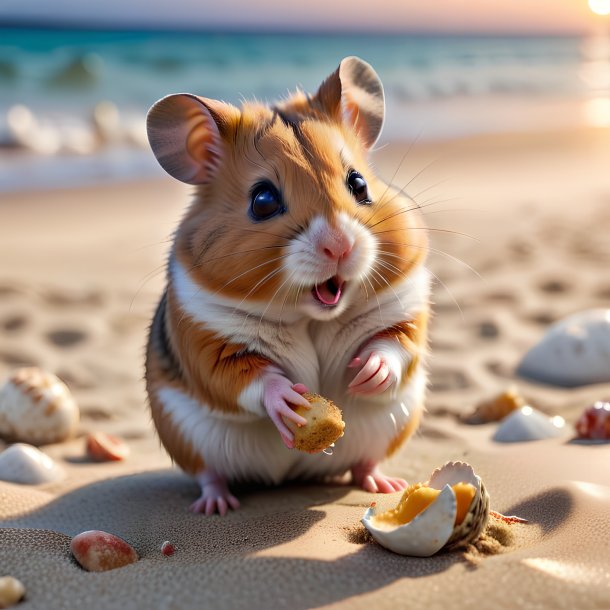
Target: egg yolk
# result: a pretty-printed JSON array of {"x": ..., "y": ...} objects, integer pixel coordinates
[{"x": 418, "y": 497}]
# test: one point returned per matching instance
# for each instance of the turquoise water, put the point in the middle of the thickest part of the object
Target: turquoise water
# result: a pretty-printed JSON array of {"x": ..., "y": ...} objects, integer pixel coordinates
[
  {"x": 436, "y": 86},
  {"x": 58, "y": 69}
]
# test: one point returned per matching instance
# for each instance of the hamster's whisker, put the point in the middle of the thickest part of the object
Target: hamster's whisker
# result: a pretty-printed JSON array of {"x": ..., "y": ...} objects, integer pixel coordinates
[
  {"x": 289, "y": 278},
  {"x": 431, "y": 249},
  {"x": 427, "y": 229},
  {"x": 216, "y": 258},
  {"x": 438, "y": 183},
  {"x": 266, "y": 233},
  {"x": 438, "y": 279},
  {"x": 235, "y": 278},
  {"x": 149, "y": 276},
  {"x": 384, "y": 264},
  {"x": 366, "y": 292},
  {"x": 418, "y": 206},
  {"x": 402, "y": 160},
  {"x": 260, "y": 282},
  {"x": 368, "y": 279},
  {"x": 270, "y": 275}
]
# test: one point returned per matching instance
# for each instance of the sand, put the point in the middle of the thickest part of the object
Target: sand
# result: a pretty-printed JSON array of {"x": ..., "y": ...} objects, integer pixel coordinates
[{"x": 80, "y": 274}]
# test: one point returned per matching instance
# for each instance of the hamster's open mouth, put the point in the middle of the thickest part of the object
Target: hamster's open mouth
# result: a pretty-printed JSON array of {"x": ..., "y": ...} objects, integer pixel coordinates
[{"x": 328, "y": 293}]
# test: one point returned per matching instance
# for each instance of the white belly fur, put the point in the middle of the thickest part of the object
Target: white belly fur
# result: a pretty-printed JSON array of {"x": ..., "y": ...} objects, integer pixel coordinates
[{"x": 252, "y": 450}]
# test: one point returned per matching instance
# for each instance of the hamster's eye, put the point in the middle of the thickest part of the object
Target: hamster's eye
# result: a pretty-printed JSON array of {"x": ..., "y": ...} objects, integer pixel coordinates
[
  {"x": 265, "y": 202},
  {"x": 358, "y": 188}
]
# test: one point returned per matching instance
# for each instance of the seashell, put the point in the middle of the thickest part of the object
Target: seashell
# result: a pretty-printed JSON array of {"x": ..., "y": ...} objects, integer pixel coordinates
[
  {"x": 496, "y": 408},
  {"x": 528, "y": 424},
  {"x": 594, "y": 423},
  {"x": 447, "y": 512},
  {"x": 324, "y": 424},
  {"x": 25, "y": 464},
  {"x": 98, "y": 551},
  {"x": 11, "y": 591},
  {"x": 103, "y": 447},
  {"x": 573, "y": 352},
  {"x": 37, "y": 407}
]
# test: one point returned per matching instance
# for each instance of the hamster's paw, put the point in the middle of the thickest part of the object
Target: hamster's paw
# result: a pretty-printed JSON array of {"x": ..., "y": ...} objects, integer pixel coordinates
[
  {"x": 368, "y": 476},
  {"x": 375, "y": 376},
  {"x": 215, "y": 495},
  {"x": 278, "y": 394}
]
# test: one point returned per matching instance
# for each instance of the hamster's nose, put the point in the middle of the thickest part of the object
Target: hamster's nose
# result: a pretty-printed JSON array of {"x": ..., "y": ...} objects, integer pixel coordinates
[{"x": 335, "y": 245}]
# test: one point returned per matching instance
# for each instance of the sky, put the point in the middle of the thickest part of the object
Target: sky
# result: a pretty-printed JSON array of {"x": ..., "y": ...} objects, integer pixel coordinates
[{"x": 457, "y": 16}]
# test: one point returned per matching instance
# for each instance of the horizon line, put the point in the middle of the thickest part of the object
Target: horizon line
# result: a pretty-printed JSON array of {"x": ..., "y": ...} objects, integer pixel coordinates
[{"x": 106, "y": 26}]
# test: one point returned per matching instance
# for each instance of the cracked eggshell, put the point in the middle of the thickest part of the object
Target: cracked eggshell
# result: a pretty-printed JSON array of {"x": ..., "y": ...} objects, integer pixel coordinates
[
  {"x": 434, "y": 528},
  {"x": 27, "y": 465},
  {"x": 37, "y": 407},
  {"x": 574, "y": 351}
]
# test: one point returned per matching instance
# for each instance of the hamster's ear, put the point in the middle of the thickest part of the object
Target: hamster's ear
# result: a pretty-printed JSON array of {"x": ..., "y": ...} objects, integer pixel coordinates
[
  {"x": 354, "y": 94},
  {"x": 183, "y": 131}
]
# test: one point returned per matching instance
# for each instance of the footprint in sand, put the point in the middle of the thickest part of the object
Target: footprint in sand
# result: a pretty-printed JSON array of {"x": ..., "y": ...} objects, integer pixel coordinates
[
  {"x": 443, "y": 379},
  {"x": 66, "y": 337},
  {"x": 554, "y": 286},
  {"x": 16, "y": 359},
  {"x": 14, "y": 323}
]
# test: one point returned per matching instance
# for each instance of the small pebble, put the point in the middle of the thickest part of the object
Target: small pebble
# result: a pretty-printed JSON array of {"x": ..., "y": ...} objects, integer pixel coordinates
[
  {"x": 103, "y": 447},
  {"x": 168, "y": 549},
  {"x": 11, "y": 591},
  {"x": 98, "y": 551},
  {"x": 594, "y": 423}
]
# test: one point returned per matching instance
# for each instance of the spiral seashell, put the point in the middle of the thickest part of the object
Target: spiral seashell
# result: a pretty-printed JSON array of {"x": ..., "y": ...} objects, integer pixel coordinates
[
  {"x": 36, "y": 407},
  {"x": 449, "y": 511}
]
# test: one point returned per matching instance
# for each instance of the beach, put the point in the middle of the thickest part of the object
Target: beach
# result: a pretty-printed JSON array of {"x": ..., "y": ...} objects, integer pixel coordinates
[{"x": 519, "y": 239}]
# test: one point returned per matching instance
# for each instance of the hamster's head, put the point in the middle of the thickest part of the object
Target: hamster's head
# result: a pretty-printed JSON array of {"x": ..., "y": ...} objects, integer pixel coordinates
[{"x": 288, "y": 214}]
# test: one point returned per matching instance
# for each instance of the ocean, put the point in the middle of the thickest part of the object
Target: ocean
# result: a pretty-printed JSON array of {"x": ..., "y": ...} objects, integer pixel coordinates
[{"x": 73, "y": 102}]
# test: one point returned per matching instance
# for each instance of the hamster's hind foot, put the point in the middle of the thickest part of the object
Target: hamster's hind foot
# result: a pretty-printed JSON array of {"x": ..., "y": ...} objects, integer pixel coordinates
[
  {"x": 368, "y": 476},
  {"x": 215, "y": 495}
]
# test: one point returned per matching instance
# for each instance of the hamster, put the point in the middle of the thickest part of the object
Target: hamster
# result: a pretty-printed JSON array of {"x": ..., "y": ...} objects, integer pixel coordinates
[{"x": 294, "y": 269}]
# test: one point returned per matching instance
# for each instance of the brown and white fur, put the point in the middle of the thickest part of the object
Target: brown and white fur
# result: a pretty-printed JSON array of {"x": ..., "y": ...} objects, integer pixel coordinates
[{"x": 240, "y": 332}]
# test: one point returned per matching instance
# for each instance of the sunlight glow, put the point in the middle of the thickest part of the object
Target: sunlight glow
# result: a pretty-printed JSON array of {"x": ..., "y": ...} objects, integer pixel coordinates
[{"x": 600, "y": 7}]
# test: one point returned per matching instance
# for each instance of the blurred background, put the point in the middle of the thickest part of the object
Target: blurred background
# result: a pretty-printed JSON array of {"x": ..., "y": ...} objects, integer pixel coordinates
[{"x": 76, "y": 79}]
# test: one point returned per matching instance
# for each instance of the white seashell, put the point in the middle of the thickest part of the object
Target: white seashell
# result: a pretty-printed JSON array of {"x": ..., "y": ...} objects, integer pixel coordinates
[
  {"x": 25, "y": 464},
  {"x": 36, "y": 407},
  {"x": 434, "y": 528},
  {"x": 573, "y": 352},
  {"x": 528, "y": 424}
]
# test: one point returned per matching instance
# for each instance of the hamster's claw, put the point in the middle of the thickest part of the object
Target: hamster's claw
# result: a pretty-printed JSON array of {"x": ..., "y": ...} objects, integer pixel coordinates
[
  {"x": 371, "y": 479},
  {"x": 215, "y": 496},
  {"x": 279, "y": 394},
  {"x": 373, "y": 378}
]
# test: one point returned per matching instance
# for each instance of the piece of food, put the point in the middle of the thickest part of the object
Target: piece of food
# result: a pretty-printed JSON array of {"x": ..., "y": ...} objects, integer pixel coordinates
[
  {"x": 324, "y": 424},
  {"x": 448, "y": 511}
]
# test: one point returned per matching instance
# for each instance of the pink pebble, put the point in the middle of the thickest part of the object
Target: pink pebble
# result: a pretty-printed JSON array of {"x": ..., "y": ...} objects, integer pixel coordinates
[
  {"x": 167, "y": 548},
  {"x": 594, "y": 423},
  {"x": 98, "y": 551}
]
